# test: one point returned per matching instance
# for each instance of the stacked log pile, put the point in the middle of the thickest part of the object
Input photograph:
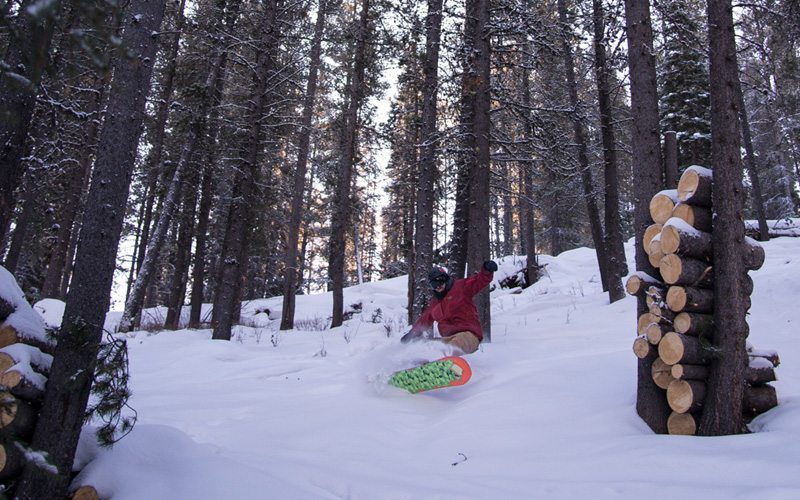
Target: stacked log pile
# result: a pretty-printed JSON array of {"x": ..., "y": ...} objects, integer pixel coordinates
[
  {"x": 24, "y": 366},
  {"x": 678, "y": 326}
]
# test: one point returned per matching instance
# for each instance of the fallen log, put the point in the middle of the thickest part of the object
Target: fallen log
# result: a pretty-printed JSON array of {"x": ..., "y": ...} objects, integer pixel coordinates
[
  {"x": 695, "y": 186},
  {"x": 662, "y": 374},
  {"x": 759, "y": 399},
  {"x": 679, "y": 237},
  {"x": 641, "y": 347},
  {"x": 682, "y": 371},
  {"x": 694, "y": 324},
  {"x": 686, "y": 396},
  {"x": 681, "y": 424},
  {"x": 17, "y": 418},
  {"x": 12, "y": 459},
  {"x": 677, "y": 270},
  {"x": 698, "y": 217},
  {"x": 25, "y": 384},
  {"x": 662, "y": 204},
  {"x": 690, "y": 299},
  {"x": 678, "y": 348}
]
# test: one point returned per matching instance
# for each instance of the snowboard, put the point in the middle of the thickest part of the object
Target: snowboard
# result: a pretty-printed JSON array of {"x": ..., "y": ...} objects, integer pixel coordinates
[{"x": 450, "y": 371}]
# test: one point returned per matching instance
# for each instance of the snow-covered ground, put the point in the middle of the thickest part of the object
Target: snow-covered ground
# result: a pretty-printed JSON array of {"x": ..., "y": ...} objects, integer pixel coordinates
[{"x": 549, "y": 412}]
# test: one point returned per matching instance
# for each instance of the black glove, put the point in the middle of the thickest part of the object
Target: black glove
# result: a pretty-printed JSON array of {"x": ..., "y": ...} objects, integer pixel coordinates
[
  {"x": 408, "y": 337},
  {"x": 490, "y": 266}
]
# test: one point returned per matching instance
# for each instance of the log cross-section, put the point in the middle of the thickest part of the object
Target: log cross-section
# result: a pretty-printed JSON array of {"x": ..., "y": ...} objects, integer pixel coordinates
[
  {"x": 690, "y": 299},
  {"x": 694, "y": 186},
  {"x": 679, "y": 237},
  {"x": 681, "y": 424},
  {"x": 678, "y": 270},
  {"x": 662, "y": 204},
  {"x": 694, "y": 324},
  {"x": 685, "y": 396},
  {"x": 698, "y": 217},
  {"x": 662, "y": 373},
  {"x": 677, "y": 348}
]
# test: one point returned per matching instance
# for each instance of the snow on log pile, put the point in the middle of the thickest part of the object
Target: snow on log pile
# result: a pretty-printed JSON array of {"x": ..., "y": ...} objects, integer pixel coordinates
[
  {"x": 679, "y": 323},
  {"x": 25, "y": 359}
]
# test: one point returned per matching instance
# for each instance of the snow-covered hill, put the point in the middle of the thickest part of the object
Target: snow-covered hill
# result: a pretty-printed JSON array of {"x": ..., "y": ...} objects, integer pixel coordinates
[{"x": 549, "y": 412}]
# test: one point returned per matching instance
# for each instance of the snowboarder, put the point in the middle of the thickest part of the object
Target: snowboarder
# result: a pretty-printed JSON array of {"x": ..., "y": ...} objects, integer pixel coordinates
[{"x": 453, "y": 309}]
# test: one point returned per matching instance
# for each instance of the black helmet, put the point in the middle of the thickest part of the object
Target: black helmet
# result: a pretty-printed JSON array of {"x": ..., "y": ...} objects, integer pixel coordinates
[{"x": 438, "y": 276}]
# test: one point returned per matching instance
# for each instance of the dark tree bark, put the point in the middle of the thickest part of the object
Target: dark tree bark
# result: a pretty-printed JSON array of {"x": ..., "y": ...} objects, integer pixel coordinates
[
  {"x": 183, "y": 249},
  {"x": 615, "y": 251},
  {"x": 477, "y": 90},
  {"x": 527, "y": 217},
  {"x": 26, "y": 59},
  {"x": 70, "y": 380},
  {"x": 426, "y": 178},
  {"x": 154, "y": 167},
  {"x": 78, "y": 178},
  {"x": 722, "y": 411},
  {"x": 291, "y": 275},
  {"x": 233, "y": 259},
  {"x": 198, "y": 265},
  {"x": 196, "y": 131},
  {"x": 752, "y": 168},
  {"x": 650, "y": 401},
  {"x": 209, "y": 170},
  {"x": 583, "y": 159},
  {"x": 343, "y": 203}
]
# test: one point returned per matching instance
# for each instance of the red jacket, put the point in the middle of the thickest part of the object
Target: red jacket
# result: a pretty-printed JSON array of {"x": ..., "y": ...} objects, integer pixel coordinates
[{"x": 456, "y": 312}]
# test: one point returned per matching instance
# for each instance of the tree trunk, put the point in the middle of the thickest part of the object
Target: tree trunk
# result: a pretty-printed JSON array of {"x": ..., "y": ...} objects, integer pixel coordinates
[
  {"x": 752, "y": 169},
  {"x": 426, "y": 178},
  {"x": 615, "y": 250},
  {"x": 343, "y": 204},
  {"x": 650, "y": 403},
  {"x": 671, "y": 161},
  {"x": 478, "y": 94},
  {"x": 233, "y": 258},
  {"x": 183, "y": 249},
  {"x": 722, "y": 414},
  {"x": 583, "y": 159},
  {"x": 291, "y": 275},
  {"x": 77, "y": 182},
  {"x": 27, "y": 53},
  {"x": 62, "y": 412}
]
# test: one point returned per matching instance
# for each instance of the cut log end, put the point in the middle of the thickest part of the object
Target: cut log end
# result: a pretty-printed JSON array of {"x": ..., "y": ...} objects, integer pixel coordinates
[
  {"x": 685, "y": 396},
  {"x": 662, "y": 373},
  {"x": 681, "y": 424},
  {"x": 85, "y": 493},
  {"x": 661, "y": 206},
  {"x": 651, "y": 232},
  {"x": 641, "y": 347}
]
